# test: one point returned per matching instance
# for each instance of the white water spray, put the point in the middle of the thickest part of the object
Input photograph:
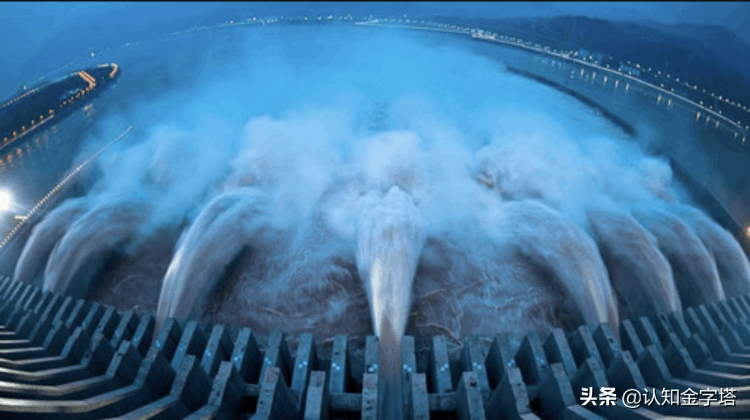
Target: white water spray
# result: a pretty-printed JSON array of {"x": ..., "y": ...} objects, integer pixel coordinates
[
  {"x": 389, "y": 241},
  {"x": 691, "y": 262},
  {"x": 227, "y": 224},
  {"x": 83, "y": 251},
  {"x": 43, "y": 238},
  {"x": 640, "y": 274}
]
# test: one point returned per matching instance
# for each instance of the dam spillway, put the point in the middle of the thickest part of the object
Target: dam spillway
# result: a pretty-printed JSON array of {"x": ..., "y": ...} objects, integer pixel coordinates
[
  {"x": 87, "y": 360},
  {"x": 217, "y": 351}
]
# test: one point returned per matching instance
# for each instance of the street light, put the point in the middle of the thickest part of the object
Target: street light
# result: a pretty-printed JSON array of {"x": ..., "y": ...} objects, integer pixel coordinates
[{"x": 4, "y": 201}]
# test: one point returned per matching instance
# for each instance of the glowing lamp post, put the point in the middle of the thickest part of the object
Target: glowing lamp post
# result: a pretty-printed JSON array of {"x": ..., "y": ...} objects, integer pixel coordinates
[
  {"x": 5, "y": 201},
  {"x": 6, "y": 216}
]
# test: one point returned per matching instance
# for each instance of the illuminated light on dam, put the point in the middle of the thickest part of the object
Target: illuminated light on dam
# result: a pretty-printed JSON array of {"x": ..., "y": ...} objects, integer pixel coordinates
[{"x": 5, "y": 201}]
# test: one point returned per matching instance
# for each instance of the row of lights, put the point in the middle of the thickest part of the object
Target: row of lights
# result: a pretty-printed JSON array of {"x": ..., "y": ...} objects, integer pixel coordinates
[
  {"x": 669, "y": 104},
  {"x": 19, "y": 152},
  {"x": 493, "y": 36},
  {"x": 42, "y": 119},
  {"x": 57, "y": 188},
  {"x": 91, "y": 85},
  {"x": 18, "y": 98},
  {"x": 478, "y": 33},
  {"x": 33, "y": 124},
  {"x": 256, "y": 20},
  {"x": 695, "y": 87}
]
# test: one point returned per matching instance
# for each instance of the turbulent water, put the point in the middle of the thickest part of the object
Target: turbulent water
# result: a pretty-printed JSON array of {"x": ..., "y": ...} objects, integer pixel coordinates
[
  {"x": 46, "y": 235},
  {"x": 88, "y": 242},
  {"x": 235, "y": 219},
  {"x": 347, "y": 180},
  {"x": 389, "y": 241}
]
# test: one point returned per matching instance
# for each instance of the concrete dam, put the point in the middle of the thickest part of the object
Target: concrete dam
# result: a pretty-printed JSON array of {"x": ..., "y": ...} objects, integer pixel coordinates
[{"x": 422, "y": 222}]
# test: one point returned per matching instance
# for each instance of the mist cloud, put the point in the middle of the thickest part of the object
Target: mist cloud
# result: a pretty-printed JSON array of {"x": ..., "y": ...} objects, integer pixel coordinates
[{"x": 527, "y": 200}]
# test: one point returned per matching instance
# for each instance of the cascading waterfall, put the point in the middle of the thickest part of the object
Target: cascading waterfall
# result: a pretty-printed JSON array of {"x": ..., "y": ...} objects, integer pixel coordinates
[
  {"x": 640, "y": 274},
  {"x": 44, "y": 236},
  {"x": 389, "y": 242},
  {"x": 732, "y": 264},
  {"x": 691, "y": 262},
  {"x": 562, "y": 251},
  {"x": 89, "y": 242},
  {"x": 227, "y": 224},
  {"x": 385, "y": 185}
]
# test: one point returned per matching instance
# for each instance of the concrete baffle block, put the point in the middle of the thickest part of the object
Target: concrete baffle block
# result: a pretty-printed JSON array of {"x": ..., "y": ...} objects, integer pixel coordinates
[
  {"x": 473, "y": 355},
  {"x": 318, "y": 397},
  {"x": 469, "y": 402},
  {"x": 93, "y": 316},
  {"x": 218, "y": 349},
  {"x": 143, "y": 334},
  {"x": 606, "y": 343},
  {"x": 409, "y": 368},
  {"x": 557, "y": 399},
  {"x": 339, "y": 371},
  {"x": 275, "y": 400},
  {"x": 557, "y": 350},
  {"x": 305, "y": 362},
  {"x": 169, "y": 338},
  {"x": 418, "y": 403},
  {"x": 191, "y": 386},
  {"x": 583, "y": 346},
  {"x": 510, "y": 396},
  {"x": 499, "y": 358},
  {"x": 246, "y": 356},
  {"x": 125, "y": 328},
  {"x": 227, "y": 391},
  {"x": 125, "y": 364},
  {"x": 369, "y": 409},
  {"x": 438, "y": 368},
  {"x": 108, "y": 323},
  {"x": 531, "y": 360},
  {"x": 624, "y": 373},
  {"x": 155, "y": 374},
  {"x": 277, "y": 355},
  {"x": 630, "y": 340},
  {"x": 192, "y": 342}
]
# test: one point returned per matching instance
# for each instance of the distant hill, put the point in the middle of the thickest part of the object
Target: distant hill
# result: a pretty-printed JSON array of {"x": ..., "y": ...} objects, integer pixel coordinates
[
  {"x": 711, "y": 57},
  {"x": 724, "y": 42}
]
